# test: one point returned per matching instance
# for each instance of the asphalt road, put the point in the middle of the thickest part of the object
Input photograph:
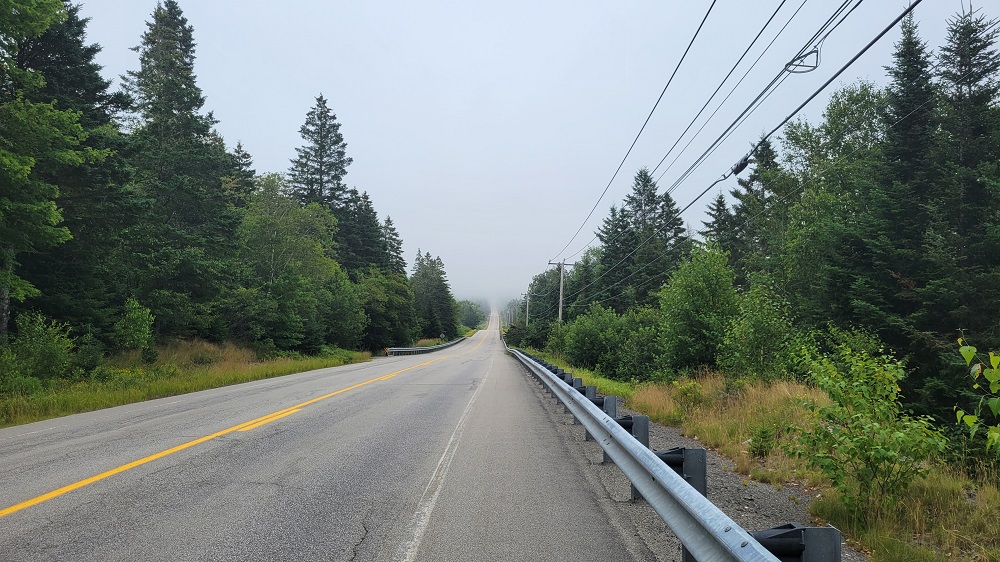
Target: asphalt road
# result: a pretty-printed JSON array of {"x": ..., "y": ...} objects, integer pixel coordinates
[{"x": 444, "y": 456}]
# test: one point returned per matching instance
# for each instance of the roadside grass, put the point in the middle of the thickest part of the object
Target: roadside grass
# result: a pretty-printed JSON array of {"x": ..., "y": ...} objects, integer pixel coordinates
[
  {"x": 429, "y": 342},
  {"x": 605, "y": 386},
  {"x": 943, "y": 516},
  {"x": 180, "y": 367}
]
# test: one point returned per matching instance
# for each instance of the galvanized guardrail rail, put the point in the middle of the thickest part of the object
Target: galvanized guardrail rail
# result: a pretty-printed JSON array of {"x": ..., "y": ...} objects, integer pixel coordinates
[
  {"x": 419, "y": 350},
  {"x": 674, "y": 483}
]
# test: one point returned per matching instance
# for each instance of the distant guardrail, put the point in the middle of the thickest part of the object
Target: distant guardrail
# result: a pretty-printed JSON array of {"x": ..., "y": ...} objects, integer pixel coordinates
[
  {"x": 419, "y": 350},
  {"x": 674, "y": 483}
]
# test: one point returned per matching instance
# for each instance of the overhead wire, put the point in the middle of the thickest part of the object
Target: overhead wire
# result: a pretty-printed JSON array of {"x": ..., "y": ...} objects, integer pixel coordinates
[
  {"x": 641, "y": 129},
  {"x": 752, "y": 66},
  {"x": 745, "y": 158},
  {"x": 765, "y": 93},
  {"x": 932, "y": 68}
]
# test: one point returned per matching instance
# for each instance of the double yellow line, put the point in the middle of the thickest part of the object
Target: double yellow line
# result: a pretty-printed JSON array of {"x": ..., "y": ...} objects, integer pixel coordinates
[{"x": 246, "y": 426}]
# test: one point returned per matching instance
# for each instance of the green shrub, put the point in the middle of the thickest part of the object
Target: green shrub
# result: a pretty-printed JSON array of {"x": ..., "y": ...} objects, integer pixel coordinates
[
  {"x": 22, "y": 386},
  {"x": 696, "y": 306},
  {"x": 135, "y": 328},
  {"x": 985, "y": 374},
  {"x": 756, "y": 342},
  {"x": 587, "y": 337},
  {"x": 863, "y": 443},
  {"x": 630, "y": 352},
  {"x": 687, "y": 394},
  {"x": 42, "y": 349},
  {"x": 763, "y": 440},
  {"x": 89, "y": 355}
]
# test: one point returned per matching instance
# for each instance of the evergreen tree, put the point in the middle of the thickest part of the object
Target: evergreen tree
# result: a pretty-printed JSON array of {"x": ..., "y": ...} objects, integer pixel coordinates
[
  {"x": 962, "y": 244},
  {"x": 80, "y": 282},
  {"x": 388, "y": 305},
  {"x": 394, "y": 262},
  {"x": 317, "y": 173},
  {"x": 436, "y": 309},
  {"x": 243, "y": 179},
  {"x": 184, "y": 245},
  {"x": 618, "y": 240},
  {"x": 759, "y": 216},
  {"x": 360, "y": 240},
  {"x": 719, "y": 228},
  {"x": 36, "y": 139}
]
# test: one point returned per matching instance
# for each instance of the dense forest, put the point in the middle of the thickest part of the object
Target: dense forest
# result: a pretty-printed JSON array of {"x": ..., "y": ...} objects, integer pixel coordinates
[
  {"x": 126, "y": 221},
  {"x": 877, "y": 228}
]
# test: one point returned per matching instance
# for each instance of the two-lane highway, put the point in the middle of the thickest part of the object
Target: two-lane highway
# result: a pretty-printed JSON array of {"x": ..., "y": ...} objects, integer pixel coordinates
[{"x": 444, "y": 456}]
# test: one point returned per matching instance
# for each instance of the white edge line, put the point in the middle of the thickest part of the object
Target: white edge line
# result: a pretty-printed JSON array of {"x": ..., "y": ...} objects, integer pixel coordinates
[{"x": 422, "y": 516}]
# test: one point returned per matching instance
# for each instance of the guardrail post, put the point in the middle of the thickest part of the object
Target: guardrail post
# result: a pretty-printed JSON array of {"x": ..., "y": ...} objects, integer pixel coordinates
[
  {"x": 797, "y": 543},
  {"x": 575, "y": 383},
  {"x": 588, "y": 392},
  {"x": 638, "y": 426},
  {"x": 690, "y": 464},
  {"x": 608, "y": 404}
]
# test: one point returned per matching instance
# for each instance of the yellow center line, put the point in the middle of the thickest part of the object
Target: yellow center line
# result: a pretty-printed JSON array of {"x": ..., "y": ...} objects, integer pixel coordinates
[
  {"x": 268, "y": 420},
  {"x": 240, "y": 427}
]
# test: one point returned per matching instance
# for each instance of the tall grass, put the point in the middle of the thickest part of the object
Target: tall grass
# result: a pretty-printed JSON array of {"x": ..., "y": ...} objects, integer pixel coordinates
[
  {"x": 181, "y": 367},
  {"x": 943, "y": 516}
]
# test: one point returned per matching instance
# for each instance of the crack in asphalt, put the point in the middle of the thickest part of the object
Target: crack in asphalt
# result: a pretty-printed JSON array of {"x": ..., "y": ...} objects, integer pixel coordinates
[{"x": 364, "y": 535}]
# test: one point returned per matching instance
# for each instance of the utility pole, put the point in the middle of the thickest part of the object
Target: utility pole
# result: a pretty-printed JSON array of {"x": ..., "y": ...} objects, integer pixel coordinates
[
  {"x": 562, "y": 277},
  {"x": 527, "y": 307}
]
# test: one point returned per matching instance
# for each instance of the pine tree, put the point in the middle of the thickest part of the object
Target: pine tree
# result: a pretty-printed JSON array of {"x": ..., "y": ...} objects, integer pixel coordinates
[
  {"x": 962, "y": 244},
  {"x": 317, "y": 173},
  {"x": 184, "y": 246},
  {"x": 759, "y": 216}
]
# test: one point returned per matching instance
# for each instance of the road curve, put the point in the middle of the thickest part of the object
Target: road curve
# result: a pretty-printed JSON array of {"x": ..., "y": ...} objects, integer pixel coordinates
[{"x": 437, "y": 457}]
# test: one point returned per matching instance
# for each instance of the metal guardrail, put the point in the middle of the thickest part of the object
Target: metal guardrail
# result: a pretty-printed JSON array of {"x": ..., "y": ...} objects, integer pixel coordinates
[
  {"x": 706, "y": 533},
  {"x": 419, "y": 350}
]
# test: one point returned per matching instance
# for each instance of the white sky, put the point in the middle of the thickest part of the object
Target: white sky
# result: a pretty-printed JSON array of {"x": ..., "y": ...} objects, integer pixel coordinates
[{"x": 487, "y": 131}]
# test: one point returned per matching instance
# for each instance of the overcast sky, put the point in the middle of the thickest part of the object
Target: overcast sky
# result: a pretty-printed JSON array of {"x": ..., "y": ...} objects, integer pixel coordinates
[{"x": 488, "y": 130}]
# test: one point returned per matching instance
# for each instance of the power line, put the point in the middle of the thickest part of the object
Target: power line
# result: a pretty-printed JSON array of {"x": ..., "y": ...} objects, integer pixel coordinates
[
  {"x": 836, "y": 75},
  {"x": 743, "y": 162},
  {"x": 764, "y": 94},
  {"x": 752, "y": 66},
  {"x": 931, "y": 69},
  {"x": 636, "y": 139}
]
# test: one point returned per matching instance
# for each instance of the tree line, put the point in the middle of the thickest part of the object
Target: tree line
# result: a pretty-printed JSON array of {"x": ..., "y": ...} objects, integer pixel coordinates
[
  {"x": 877, "y": 228},
  {"x": 125, "y": 211}
]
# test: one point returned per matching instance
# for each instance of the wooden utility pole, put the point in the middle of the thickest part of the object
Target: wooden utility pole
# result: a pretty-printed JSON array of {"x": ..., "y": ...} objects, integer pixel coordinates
[{"x": 562, "y": 277}]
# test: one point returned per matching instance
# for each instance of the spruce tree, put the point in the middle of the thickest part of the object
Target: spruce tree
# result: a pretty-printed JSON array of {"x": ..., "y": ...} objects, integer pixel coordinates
[
  {"x": 962, "y": 244},
  {"x": 719, "y": 226},
  {"x": 435, "y": 307},
  {"x": 185, "y": 245},
  {"x": 36, "y": 139},
  {"x": 242, "y": 181},
  {"x": 360, "y": 240},
  {"x": 81, "y": 281},
  {"x": 618, "y": 240},
  {"x": 317, "y": 172},
  {"x": 394, "y": 261}
]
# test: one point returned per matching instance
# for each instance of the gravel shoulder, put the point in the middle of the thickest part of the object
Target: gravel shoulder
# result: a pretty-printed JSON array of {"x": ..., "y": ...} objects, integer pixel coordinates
[{"x": 753, "y": 505}]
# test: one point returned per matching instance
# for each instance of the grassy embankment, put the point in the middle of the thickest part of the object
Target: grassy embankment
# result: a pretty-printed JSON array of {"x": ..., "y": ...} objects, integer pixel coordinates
[
  {"x": 180, "y": 367},
  {"x": 943, "y": 516}
]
